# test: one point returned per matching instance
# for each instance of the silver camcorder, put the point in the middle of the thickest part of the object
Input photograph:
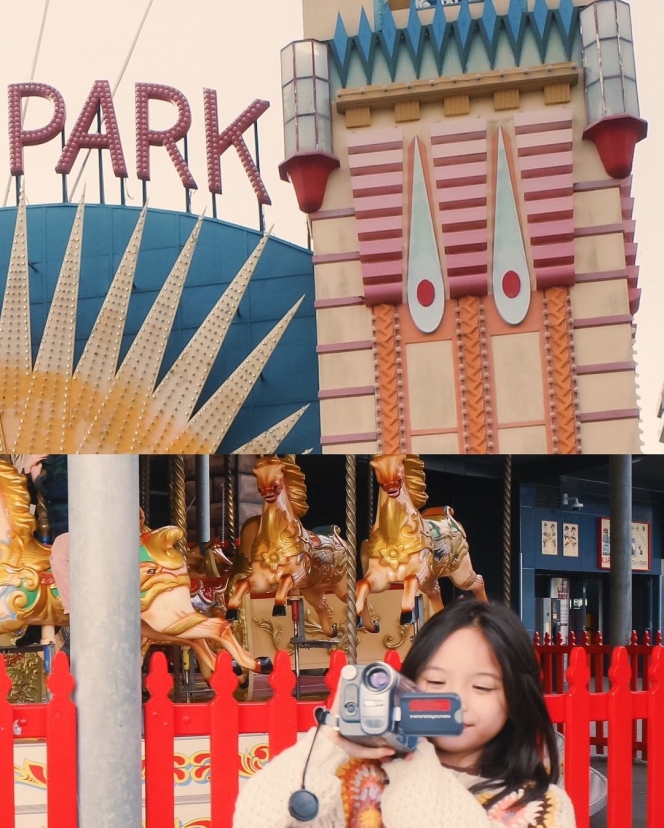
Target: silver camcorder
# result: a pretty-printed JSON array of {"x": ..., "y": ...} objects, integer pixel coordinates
[{"x": 378, "y": 706}]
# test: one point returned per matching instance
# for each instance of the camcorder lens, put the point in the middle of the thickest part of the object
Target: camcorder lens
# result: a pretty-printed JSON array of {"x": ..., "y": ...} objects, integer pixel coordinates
[{"x": 377, "y": 678}]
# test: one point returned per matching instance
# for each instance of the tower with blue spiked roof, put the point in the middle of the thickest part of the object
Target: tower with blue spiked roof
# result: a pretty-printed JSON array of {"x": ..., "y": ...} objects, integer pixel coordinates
[{"x": 476, "y": 277}]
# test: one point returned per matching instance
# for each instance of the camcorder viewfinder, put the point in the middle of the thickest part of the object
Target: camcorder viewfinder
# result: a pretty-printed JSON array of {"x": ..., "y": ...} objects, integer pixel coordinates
[{"x": 378, "y": 706}]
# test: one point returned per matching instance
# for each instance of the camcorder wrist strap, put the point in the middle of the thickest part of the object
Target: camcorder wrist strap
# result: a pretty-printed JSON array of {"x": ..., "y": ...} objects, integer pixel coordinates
[{"x": 303, "y": 804}]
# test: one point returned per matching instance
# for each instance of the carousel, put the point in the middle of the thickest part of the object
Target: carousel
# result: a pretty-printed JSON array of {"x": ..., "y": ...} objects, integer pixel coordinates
[{"x": 234, "y": 564}]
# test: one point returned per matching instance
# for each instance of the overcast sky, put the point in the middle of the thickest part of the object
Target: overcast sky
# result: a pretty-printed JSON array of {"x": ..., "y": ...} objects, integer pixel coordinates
[{"x": 233, "y": 47}]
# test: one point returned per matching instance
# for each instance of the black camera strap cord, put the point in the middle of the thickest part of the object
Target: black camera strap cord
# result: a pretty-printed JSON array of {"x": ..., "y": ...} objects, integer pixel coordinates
[{"x": 303, "y": 804}]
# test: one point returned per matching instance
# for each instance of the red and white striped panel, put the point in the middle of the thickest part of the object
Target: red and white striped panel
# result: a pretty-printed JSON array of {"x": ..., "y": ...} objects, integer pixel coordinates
[
  {"x": 629, "y": 226},
  {"x": 459, "y": 150},
  {"x": 376, "y": 161},
  {"x": 544, "y": 148}
]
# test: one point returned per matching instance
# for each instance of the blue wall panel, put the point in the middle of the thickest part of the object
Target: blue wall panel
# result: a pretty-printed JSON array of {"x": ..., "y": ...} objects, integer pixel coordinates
[{"x": 284, "y": 274}]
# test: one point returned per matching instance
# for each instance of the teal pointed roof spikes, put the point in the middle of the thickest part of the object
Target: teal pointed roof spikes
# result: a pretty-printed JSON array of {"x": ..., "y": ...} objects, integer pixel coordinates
[
  {"x": 464, "y": 28},
  {"x": 390, "y": 36},
  {"x": 540, "y": 16},
  {"x": 340, "y": 48},
  {"x": 464, "y": 22},
  {"x": 440, "y": 30},
  {"x": 515, "y": 26},
  {"x": 424, "y": 41},
  {"x": 541, "y": 19},
  {"x": 414, "y": 34},
  {"x": 566, "y": 16},
  {"x": 365, "y": 42},
  {"x": 488, "y": 25}
]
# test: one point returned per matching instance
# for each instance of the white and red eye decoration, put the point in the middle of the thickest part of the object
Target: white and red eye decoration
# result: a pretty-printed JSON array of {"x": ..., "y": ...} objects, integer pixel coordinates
[
  {"x": 425, "y": 289},
  {"x": 511, "y": 275}
]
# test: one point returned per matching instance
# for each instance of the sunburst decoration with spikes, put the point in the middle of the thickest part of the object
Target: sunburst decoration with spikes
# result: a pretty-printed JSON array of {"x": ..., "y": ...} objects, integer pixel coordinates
[{"x": 97, "y": 407}]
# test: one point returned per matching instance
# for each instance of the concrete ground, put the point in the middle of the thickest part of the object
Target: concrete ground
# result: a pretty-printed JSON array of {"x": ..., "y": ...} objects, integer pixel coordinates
[{"x": 639, "y": 773}]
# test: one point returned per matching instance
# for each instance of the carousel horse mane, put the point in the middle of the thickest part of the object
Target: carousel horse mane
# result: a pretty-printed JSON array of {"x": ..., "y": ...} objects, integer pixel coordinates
[
  {"x": 159, "y": 546},
  {"x": 415, "y": 480},
  {"x": 294, "y": 481},
  {"x": 15, "y": 499}
]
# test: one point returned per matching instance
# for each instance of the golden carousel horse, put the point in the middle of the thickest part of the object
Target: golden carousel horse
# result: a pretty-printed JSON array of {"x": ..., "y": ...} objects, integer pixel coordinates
[
  {"x": 284, "y": 555},
  {"x": 410, "y": 548},
  {"x": 29, "y": 595}
]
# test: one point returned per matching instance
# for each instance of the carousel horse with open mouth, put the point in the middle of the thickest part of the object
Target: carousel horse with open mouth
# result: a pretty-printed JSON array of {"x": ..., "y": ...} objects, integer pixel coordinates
[
  {"x": 412, "y": 548},
  {"x": 29, "y": 595},
  {"x": 284, "y": 555}
]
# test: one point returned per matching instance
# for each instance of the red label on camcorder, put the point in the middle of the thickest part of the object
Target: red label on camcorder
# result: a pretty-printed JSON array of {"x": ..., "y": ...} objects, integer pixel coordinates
[{"x": 429, "y": 705}]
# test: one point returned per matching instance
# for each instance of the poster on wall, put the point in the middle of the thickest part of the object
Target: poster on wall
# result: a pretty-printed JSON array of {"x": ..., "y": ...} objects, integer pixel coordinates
[
  {"x": 640, "y": 545},
  {"x": 549, "y": 537},
  {"x": 571, "y": 540}
]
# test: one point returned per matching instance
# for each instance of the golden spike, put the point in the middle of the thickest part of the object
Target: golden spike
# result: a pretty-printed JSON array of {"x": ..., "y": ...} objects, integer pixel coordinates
[
  {"x": 96, "y": 368},
  {"x": 120, "y": 417},
  {"x": 172, "y": 404},
  {"x": 208, "y": 427},
  {"x": 15, "y": 351},
  {"x": 269, "y": 441},
  {"x": 43, "y": 425}
]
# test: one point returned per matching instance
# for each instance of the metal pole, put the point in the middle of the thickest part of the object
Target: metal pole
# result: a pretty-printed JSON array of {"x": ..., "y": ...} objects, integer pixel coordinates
[
  {"x": 100, "y": 163},
  {"x": 507, "y": 531},
  {"x": 370, "y": 498},
  {"x": 144, "y": 485},
  {"x": 351, "y": 537},
  {"x": 261, "y": 217},
  {"x": 178, "y": 498},
  {"x": 105, "y": 636},
  {"x": 187, "y": 196},
  {"x": 229, "y": 511},
  {"x": 202, "y": 500},
  {"x": 65, "y": 197},
  {"x": 620, "y": 576}
]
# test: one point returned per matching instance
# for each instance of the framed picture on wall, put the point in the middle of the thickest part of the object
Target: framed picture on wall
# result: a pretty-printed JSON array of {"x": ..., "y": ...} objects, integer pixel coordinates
[
  {"x": 549, "y": 537},
  {"x": 640, "y": 545},
  {"x": 571, "y": 540}
]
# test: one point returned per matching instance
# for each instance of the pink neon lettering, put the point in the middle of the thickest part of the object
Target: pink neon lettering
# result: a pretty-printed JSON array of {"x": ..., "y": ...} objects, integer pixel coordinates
[
  {"x": 146, "y": 137},
  {"x": 19, "y": 137},
  {"x": 217, "y": 143}
]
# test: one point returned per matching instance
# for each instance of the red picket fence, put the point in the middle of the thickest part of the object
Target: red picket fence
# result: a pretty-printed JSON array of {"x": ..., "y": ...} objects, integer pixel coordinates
[
  {"x": 55, "y": 723},
  {"x": 282, "y": 717},
  {"x": 554, "y": 661}
]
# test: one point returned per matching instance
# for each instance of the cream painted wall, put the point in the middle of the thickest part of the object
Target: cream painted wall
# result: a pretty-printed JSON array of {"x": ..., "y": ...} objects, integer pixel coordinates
[
  {"x": 528, "y": 440},
  {"x": 610, "y": 343},
  {"x": 622, "y": 436},
  {"x": 348, "y": 369},
  {"x": 431, "y": 385},
  {"x": 519, "y": 384}
]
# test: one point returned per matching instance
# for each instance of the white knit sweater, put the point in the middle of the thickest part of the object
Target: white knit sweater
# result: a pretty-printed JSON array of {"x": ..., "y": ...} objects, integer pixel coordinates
[{"x": 421, "y": 793}]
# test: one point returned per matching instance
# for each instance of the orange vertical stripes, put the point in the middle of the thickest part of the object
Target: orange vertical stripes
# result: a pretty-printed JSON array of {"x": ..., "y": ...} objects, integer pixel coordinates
[
  {"x": 473, "y": 375},
  {"x": 561, "y": 371},
  {"x": 387, "y": 350}
]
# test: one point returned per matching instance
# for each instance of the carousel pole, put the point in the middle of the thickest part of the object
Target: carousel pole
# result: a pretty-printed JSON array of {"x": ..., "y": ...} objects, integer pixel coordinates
[
  {"x": 144, "y": 478},
  {"x": 351, "y": 537},
  {"x": 105, "y": 636},
  {"x": 202, "y": 500},
  {"x": 229, "y": 512},
  {"x": 370, "y": 497},
  {"x": 178, "y": 500},
  {"x": 507, "y": 531}
]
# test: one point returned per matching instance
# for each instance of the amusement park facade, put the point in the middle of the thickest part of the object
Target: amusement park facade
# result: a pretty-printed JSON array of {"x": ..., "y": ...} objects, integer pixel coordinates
[
  {"x": 468, "y": 300},
  {"x": 465, "y": 170}
]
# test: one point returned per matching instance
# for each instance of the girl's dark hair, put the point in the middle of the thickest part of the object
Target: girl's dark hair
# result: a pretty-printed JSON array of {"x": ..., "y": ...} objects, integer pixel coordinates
[{"x": 512, "y": 759}]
